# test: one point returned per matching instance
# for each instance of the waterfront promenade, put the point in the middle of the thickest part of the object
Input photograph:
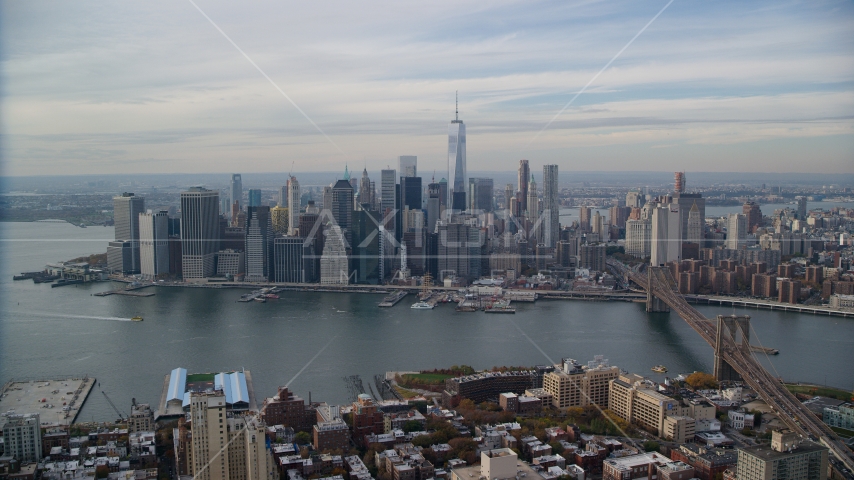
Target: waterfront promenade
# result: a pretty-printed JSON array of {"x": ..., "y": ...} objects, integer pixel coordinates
[{"x": 614, "y": 295}]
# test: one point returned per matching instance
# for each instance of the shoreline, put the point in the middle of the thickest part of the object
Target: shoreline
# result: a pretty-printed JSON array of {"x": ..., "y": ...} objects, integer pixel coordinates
[{"x": 609, "y": 296}]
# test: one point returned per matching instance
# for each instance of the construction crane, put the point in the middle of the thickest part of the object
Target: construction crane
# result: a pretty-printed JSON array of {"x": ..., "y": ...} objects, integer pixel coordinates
[{"x": 121, "y": 417}]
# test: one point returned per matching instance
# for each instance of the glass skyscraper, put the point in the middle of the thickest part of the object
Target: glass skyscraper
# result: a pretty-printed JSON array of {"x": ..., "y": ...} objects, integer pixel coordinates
[{"x": 457, "y": 163}]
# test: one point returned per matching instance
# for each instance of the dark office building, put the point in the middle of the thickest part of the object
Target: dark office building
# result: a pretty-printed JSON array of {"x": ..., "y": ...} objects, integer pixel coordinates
[
  {"x": 366, "y": 246},
  {"x": 411, "y": 188},
  {"x": 294, "y": 260}
]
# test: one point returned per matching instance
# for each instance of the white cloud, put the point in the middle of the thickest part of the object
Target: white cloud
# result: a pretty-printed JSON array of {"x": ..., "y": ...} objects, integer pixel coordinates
[{"x": 154, "y": 87}]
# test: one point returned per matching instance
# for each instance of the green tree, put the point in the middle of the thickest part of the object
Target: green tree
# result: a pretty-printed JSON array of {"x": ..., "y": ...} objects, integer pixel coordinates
[
  {"x": 412, "y": 426},
  {"x": 302, "y": 438},
  {"x": 650, "y": 446}
]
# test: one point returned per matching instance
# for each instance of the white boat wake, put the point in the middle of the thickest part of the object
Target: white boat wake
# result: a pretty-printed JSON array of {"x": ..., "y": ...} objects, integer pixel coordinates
[{"x": 60, "y": 315}]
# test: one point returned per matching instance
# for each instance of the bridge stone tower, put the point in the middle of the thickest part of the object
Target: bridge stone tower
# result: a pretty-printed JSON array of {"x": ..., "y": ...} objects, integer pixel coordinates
[
  {"x": 653, "y": 303},
  {"x": 736, "y": 327}
]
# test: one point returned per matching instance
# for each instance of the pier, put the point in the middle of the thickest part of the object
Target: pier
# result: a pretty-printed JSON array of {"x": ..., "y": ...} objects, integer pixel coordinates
[
  {"x": 392, "y": 299},
  {"x": 130, "y": 291},
  {"x": 57, "y": 400}
]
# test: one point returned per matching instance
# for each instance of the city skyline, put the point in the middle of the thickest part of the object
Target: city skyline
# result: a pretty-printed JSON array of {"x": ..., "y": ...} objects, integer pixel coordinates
[{"x": 726, "y": 87}]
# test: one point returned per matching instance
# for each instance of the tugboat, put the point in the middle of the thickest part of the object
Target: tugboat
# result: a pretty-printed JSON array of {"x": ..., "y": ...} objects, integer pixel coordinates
[
  {"x": 136, "y": 319},
  {"x": 659, "y": 369}
]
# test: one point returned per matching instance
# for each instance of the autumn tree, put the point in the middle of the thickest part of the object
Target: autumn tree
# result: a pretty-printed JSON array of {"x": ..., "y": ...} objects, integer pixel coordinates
[{"x": 701, "y": 381}]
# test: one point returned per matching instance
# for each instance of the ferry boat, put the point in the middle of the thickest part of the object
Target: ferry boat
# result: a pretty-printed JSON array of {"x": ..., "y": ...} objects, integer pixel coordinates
[
  {"x": 659, "y": 369},
  {"x": 136, "y": 319},
  {"x": 421, "y": 306}
]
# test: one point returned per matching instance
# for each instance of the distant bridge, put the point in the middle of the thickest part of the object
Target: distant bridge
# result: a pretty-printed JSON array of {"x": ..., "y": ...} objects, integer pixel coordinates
[{"x": 729, "y": 336}]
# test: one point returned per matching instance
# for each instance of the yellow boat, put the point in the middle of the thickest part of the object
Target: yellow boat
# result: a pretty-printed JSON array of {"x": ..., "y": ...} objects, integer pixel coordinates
[
  {"x": 659, "y": 369},
  {"x": 136, "y": 318}
]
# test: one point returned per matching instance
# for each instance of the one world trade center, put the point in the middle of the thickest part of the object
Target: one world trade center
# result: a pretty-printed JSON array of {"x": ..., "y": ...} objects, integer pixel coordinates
[{"x": 457, "y": 163}]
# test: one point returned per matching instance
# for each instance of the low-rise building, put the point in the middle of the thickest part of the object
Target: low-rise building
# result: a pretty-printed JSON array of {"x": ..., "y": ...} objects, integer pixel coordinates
[
  {"x": 331, "y": 435},
  {"x": 574, "y": 385},
  {"x": 141, "y": 418},
  {"x": 787, "y": 458},
  {"x": 707, "y": 462},
  {"x": 633, "y": 466},
  {"x": 839, "y": 416},
  {"x": 739, "y": 419},
  {"x": 679, "y": 429},
  {"x": 675, "y": 471}
]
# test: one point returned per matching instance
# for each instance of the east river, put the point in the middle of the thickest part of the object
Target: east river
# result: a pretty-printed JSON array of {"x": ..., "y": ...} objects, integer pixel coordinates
[{"x": 47, "y": 332}]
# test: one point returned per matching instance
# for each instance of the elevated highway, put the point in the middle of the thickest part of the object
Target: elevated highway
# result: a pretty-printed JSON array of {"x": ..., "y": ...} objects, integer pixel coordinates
[{"x": 659, "y": 283}]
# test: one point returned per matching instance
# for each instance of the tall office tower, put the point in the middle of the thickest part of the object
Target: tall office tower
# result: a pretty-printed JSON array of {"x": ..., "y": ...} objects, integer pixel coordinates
[
  {"x": 280, "y": 217},
  {"x": 293, "y": 259},
  {"x": 480, "y": 194},
  {"x": 666, "y": 235},
  {"x": 736, "y": 230},
  {"x": 685, "y": 202},
  {"x": 434, "y": 206},
  {"x": 236, "y": 190},
  {"x": 597, "y": 224},
  {"x": 443, "y": 189},
  {"x": 408, "y": 165},
  {"x": 695, "y": 226},
  {"x": 679, "y": 182},
  {"x": 584, "y": 213},
  {"x": 342, "y": 208},
  {"x": 334, "y": 262},
  {"x": 618, "y": 216},
  {"x": 634, "y": 199},
  {"x": 259, "y": 244},
  {"x": 802, "y": 208},
  {"x": 789, "y": 457},
  {"x": 126, "y": 210},
  {"x": 457, "y": 163},
  {"x": 226, "y": 447},
  {"x": 254, "y": 197},
  {"x": 459, "y": 251},
  {"x": 23, "y": 438},
  {"x": 410, "y": 188},
  {"x": 508, "y": 197},
  {"x": 754, "y": 215},
  {"x": 294, "y": 200},
  {"x": 153, "y": 243},
  {"x": 365, "y": 261},
  {"x": 592, "y": 256},
  {"x": 524, "y": 175},
  {"x": 366, "y": 191},
  {"x": 388, "y": 200},
  {"x": 532, "y": 202},
  {"x": 638, "y": 234},
  {"x": 551, "y": 206},
  {"x": 224, "y": 206},
  {"x": 199, "y": 232},
  {"x": 283, "y": 196}
]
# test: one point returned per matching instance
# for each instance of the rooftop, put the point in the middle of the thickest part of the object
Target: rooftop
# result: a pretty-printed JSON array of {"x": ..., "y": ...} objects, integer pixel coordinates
[{"x": 767, "y": 453}]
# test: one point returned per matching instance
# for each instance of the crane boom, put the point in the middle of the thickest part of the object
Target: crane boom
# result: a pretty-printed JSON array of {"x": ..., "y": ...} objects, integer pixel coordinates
[{"x": 113, "y": 405}]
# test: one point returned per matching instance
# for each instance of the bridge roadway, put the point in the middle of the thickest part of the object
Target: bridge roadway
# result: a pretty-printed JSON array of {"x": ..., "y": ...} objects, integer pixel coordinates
[{"x": 661, "y": 284}]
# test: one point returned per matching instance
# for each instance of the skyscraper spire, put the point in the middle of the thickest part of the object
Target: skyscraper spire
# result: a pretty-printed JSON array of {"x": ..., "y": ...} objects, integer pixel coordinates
[
  {"x": 346, "y": 173},
  {"x": 457, "y": 103}
]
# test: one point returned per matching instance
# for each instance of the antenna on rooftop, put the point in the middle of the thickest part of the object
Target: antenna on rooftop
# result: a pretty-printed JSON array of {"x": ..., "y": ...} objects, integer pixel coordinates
[
  {"x": 292, "y": 169},
  {"x": 457, "y": 100}
]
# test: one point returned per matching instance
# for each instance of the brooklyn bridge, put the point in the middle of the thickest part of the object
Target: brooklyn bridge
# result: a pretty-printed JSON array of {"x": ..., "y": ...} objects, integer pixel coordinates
[{"x": 729, "y": 336}]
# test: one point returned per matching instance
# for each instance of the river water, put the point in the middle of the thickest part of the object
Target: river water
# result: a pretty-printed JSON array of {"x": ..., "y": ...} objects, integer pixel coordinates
[{"x": 45, "y": 332}]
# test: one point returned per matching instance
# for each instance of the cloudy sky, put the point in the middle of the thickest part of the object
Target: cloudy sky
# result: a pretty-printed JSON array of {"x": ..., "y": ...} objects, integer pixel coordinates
[{"x": 154, "y": 86}]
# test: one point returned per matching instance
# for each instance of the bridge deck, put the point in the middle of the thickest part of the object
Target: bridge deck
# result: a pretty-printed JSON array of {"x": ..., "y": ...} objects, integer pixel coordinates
[{"x": 661, "y": 284}]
